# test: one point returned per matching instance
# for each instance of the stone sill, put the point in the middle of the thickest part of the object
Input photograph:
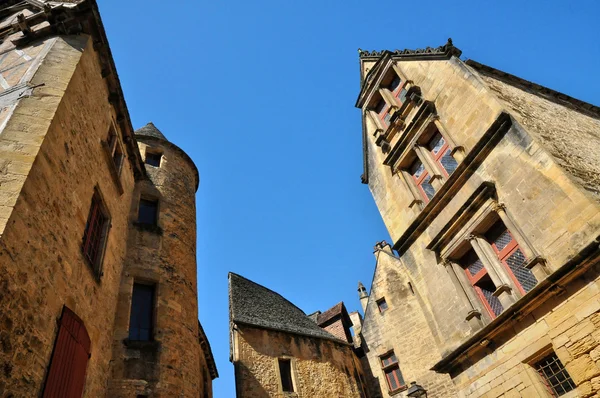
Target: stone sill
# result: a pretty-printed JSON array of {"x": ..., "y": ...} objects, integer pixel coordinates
[{"x": 155, "y": 229}]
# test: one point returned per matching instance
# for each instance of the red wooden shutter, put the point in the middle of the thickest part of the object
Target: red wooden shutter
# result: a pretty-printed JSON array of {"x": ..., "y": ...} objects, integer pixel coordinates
[{"x": 66, "y": 376}]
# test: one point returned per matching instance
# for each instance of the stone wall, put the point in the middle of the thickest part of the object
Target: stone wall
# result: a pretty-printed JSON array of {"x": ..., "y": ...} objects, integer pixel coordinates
[
  {"x": 53, "y": 158},
  {"x": 164, "y": 256},
  {"x": 403, "y": 327},
  {"x": 542, "y": 197},
  {"x": 321, "y": 368}
]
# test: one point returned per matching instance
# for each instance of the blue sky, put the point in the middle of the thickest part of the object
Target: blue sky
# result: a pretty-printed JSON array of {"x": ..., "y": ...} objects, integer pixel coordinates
[{"x": 261, "y": 96}]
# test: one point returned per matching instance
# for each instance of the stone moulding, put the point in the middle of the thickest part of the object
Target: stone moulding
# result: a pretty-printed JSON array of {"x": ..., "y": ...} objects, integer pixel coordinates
[{"x": 552, "y": 285}]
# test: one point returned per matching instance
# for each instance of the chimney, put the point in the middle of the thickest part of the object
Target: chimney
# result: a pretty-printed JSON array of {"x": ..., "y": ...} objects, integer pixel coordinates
[{"x": 363, "y": 296}]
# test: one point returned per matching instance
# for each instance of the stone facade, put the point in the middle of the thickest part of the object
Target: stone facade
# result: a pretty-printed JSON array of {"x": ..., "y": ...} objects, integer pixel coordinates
[
  {"x": 59, "y": 103},
  {"x": 521, "y": 159}
]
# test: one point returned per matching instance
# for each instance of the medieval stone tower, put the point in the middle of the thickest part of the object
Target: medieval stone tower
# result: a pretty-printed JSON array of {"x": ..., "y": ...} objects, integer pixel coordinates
[{"x": 156, "y": 330}]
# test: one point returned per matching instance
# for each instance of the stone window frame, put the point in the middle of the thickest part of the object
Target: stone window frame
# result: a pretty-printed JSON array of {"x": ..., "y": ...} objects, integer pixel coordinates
[
  {"x": 380, "y": 301},
  {"x": 391, "y": 366},
  {"x": 156, "y": 228},
  {"x": 537, "y": 381},
  {"x": 294, "y": 376},
  {"x": 113, "y": 149},
  {"x": 470, "y": 236},
  {"x": 153, "y": 151},
  {"x": 397, "y": 109},
  {"x": 416, "y": 149},
  {"x": 154, "y": 284}
]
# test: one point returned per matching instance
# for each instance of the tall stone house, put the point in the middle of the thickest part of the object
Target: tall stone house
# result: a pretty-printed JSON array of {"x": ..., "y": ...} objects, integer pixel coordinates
[
  {"x": 279, "y": 351},
  {"x": 489, "y": 186},
  {"x": 98, "y": 289}
]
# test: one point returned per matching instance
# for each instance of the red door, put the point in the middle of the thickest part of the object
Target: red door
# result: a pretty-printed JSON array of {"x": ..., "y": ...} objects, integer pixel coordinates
[{"x": 66, "y": 376}]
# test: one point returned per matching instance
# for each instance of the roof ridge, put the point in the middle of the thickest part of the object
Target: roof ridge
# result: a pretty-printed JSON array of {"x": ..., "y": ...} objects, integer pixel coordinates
[{"x": 446, "y": 49}]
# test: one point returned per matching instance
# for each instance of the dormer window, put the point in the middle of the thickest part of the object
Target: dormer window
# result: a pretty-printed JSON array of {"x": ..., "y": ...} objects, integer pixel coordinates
[{"x": 153, "y": 158}]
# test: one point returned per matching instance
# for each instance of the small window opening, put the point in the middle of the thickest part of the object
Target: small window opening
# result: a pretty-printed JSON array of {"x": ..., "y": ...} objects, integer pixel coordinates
[
  {"x": 153, "y": 159},
  {"x": 116, "y": 152},
  {"x": 382, "y": 305},
  {"x": 142, "y": 312},
  {"x": 555, "y": 376},
  {"x": 285, "y": 370},
  {"x": 148, "y": 212}
]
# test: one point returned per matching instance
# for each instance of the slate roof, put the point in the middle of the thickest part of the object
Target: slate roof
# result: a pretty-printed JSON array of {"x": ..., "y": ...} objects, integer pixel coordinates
[
  {"x": 253, "y": 304},
  {"x": 150, "y": 130},
  {"x": 330, "y": 313}
]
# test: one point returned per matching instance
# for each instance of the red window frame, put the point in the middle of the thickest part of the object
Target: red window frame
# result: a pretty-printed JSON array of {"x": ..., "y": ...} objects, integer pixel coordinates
[
  {"x": 66, "y": 375},
  {"x": 94, "y": 235},
  {"x": 473, "y": 280},
  {"x": 419, "y": 180},
  {"x": 398, "y": 91},
  {"x": 383, "y": 112},
  {"x": 393, "y": 375},
  {"x": 440, "y": 153},
  {"x": 506, "y": 252}
]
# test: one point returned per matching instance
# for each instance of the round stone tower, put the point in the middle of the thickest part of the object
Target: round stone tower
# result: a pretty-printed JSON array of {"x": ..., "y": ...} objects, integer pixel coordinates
[{"x": 157, "y": 348}]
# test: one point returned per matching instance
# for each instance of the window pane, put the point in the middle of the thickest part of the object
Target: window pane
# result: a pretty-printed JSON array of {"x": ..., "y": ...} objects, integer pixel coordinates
[
  {"x": 153, "y": 159},
  {"x": 402, "y": 95},
  {"x": 427, "y": 187},
  {"x": 142, "y": 303},
  {"x": 147, "y": 212},
  {"x": 380, "y": 107},
  {"x": 93, "y": 238},
  {"x": 475, "y": 266},
  {"x": 436, "y": 143},
  {"x": 382, "y": 305},
  {"x": 417, "y": 169},
  {"x": 391, "y": 380},
  {"x": 448, "y": 162},
  {"x": 555, "y": 375},
  {"x": 492, "y": 300},
  {"x": 399, "y": 377},
  {"x": 516, "y": 262},
  {"x": 394, "y": 84},
  {"x": 387, "y": 118},
  {"x": 285, "y": 370}
]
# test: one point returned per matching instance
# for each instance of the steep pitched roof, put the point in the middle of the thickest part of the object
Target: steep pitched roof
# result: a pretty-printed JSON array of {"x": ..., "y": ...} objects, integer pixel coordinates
[{"x": 255, "y": 305}]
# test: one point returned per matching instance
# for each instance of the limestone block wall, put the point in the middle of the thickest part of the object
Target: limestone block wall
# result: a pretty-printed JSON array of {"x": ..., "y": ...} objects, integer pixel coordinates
[
  {"x": 52, "y": 158},
  {"x": 404, "y": 327},
  {"x": 321, "y": 368},
  {"x": 568, "y": 324},
  {"x": 164, "y": 256}
]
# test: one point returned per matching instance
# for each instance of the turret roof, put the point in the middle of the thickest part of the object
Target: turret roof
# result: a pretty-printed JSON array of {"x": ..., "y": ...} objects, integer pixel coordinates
[{"x": 150, "y": 130}]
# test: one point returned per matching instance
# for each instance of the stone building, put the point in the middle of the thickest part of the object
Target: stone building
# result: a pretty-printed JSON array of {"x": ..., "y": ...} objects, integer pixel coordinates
[
  {"x": 488, "y": 185},
  {"x": 98, "y": 293},
  {"x": 279, "y": 351}
]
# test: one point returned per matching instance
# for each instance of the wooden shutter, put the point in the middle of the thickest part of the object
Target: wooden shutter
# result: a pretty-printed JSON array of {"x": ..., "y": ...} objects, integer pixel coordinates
[{"x": 66, "y": 376}]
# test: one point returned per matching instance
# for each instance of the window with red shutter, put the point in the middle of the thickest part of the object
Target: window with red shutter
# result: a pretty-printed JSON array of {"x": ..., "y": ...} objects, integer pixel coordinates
[{"x": 66, "y": 375}]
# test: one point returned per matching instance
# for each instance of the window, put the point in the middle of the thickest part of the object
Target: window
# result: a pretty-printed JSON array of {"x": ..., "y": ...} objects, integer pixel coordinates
[
  {"x": 382, "y": 305},
  {"x": 394, "y": 84},
  {"x": 442, "y": 154},
  {"x": 391, "y": 369},
  {"x": 382, "y": 110},
  {"x": 66, "y": 375},
  {"x": 96, "y": 231},
  {"x": 148, "y": 212},
  {"x": 142, "y": 312},
  {"x": 114, "y": 147},
  {"x": 153, "y": 159},
  {"x": 482, "y": 283},
  {"x": 555, "y": 376},
  {"x": 510, "y": 255},
  {"x": 422, "y": 179},
  {"x": 285, "y": 372}
]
